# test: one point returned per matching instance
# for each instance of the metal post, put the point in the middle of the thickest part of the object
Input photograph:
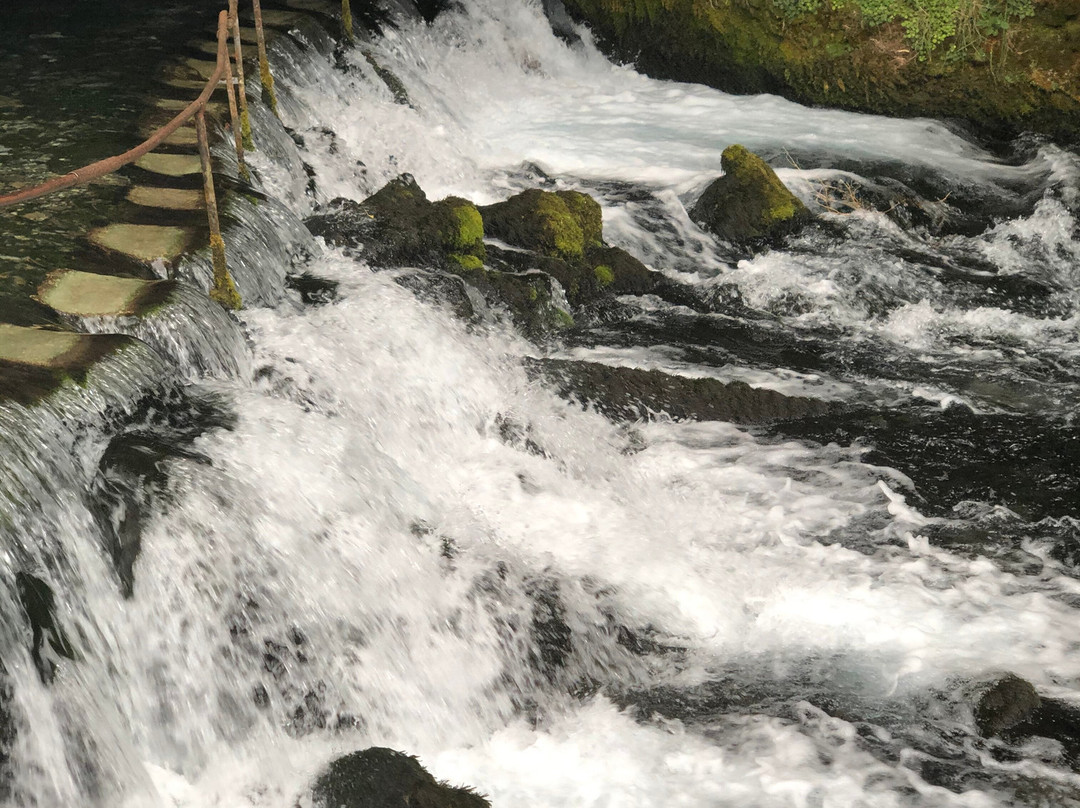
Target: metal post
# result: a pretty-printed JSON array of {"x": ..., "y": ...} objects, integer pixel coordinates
[
  {"x": 224, "y": 290},
  {"x": 238, "y": 53},
  {"x": 264, "y": 64},
  {"x": 346, "y": 20}
]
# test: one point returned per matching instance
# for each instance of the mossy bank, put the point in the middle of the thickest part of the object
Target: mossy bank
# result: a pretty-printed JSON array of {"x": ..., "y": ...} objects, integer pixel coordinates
[{"x": 1004, "y": 66}]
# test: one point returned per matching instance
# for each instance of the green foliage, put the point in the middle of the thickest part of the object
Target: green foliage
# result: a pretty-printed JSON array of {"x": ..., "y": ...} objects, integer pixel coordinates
[
  {"x": 796, "y": 8},
  {"x": 929, "y": 24},
  {"x": 605, "y": 276}
]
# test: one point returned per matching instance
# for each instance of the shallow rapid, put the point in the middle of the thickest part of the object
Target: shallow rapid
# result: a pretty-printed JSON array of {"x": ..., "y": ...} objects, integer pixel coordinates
[{"x": 365, "y": 523}]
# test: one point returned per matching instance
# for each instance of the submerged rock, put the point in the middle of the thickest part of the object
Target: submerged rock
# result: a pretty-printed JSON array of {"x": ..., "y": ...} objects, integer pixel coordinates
[
  {"x": 630, "y": 393},
  {"x": 383, "y": 778},
  {"x": 49, "y": 643},
  {"x": 748, "y": 205},
  {"x": 1009, "y": 707},
  {"x": 1003, "y": 703}
]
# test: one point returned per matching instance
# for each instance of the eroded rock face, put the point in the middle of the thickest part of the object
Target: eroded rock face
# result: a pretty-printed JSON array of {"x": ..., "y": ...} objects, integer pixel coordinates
[
  {"x": 748, "y": 205},
  {"x": 383, "y": 778}
]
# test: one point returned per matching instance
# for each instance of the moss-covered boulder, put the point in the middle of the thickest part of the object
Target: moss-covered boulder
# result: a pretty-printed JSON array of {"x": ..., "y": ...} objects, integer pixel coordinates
[
  {"x": 1002, "y": 703},
  {"x": 542, "y": 221},
  {"x": 460, "y": 228},
  {"x": 383, "y": 778},
  {"x": 616, "y": 271},
  {"x": 398, "y": 225},
  {"x": 748, "y": 205}
]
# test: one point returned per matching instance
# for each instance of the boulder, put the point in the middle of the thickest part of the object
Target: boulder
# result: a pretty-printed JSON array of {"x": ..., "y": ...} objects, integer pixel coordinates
[
  {"x": 544, "y": 222},
  {"x": 1003, "y": 703},
  {"x": 383, "y": 778},
  {"x": 398, "y": 225},
  {"x": 748, "y": 205}
]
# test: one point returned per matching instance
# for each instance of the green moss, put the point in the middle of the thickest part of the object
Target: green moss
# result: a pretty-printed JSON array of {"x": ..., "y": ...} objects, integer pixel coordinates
[
  {"x": 466, "y": 262},
  {"x": 224, "y": 291},
  {"x": 536, "y": 220},
  {"x": 749, "y": 203},
  {"x": 604, "y": 275},
  {"x": 461, "y": 227},
  {"x": 346, "y": 20},
  {"x": 586, "y": 212},
  {"x": 563, "y": 319}
]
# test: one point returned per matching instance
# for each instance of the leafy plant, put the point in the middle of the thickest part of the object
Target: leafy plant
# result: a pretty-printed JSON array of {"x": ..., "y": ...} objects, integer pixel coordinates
[{"x": 965, "y": 25}]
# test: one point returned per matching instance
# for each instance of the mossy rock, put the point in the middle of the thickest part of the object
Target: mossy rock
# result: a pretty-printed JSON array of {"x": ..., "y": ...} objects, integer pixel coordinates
[
  {"x": 1004, "y": 703},
  {"x": 748, "y": 205},
  {"x": 537, "y": 220},
  {"x": 398, "y": 226},
  {"x": 586, "y": 211},
  {"x": 527, "y": 296},
  {"x": 460, "y": 227},
  {"x": 383, "y": 778},
  {"x": 617, "y": 271}
]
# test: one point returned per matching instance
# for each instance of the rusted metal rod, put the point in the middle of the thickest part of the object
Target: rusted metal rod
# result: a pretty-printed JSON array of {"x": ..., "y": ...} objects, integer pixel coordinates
[
  {"x": 110, "y": 164},
  {"x": 264, "y": 64},
  {"x": 224, "y": 290},
  {"x": 238, "y": 54}
]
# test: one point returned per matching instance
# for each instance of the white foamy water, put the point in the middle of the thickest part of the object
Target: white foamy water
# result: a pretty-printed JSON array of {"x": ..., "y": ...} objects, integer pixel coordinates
[{"x": 402, "y": 539}]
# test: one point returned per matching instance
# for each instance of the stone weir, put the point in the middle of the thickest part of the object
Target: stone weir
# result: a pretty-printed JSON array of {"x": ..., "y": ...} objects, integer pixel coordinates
[{"x": 129, "y": 267}]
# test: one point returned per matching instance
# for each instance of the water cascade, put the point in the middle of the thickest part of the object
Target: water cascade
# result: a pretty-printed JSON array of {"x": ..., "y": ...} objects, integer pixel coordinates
[{"x": 320, "y": 526}]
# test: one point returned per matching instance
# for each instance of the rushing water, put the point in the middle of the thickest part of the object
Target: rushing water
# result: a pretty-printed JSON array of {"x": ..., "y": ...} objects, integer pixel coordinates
[{"x": 363, "y": 523}]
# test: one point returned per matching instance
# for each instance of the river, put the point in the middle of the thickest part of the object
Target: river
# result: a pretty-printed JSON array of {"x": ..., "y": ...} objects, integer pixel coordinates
[{"x": 365, "y": 523}]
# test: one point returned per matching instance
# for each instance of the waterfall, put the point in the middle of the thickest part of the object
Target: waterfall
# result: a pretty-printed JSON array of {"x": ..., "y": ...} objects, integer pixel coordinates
[{"x": 275, "y": 537}]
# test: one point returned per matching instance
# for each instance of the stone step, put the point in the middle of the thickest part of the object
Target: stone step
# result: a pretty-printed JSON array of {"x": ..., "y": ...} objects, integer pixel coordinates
[
  {"x": 168, "y": 198},
  {"x": 88, "y": 294},
  {"x": 171, "y": 165},
  {"x": 65, "y": 351},
  {"x": 145, "y": 242},
  {"x": 184, "y": 136}
]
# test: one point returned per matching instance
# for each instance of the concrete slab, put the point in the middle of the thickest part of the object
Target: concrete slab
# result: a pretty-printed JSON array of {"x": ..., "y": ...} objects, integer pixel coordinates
[
  {"x": 144, "y": 242},
  {"x": 87, "y": 294}
]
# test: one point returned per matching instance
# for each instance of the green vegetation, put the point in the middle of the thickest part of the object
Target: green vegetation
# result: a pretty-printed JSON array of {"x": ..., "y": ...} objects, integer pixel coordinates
[
  {"x": 604, "y": 275},
  {"x": 1003, "y": 65},
  {"x": 928, "y": 24}
]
